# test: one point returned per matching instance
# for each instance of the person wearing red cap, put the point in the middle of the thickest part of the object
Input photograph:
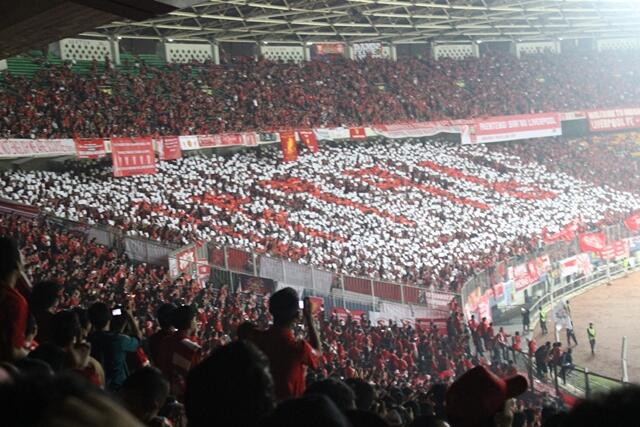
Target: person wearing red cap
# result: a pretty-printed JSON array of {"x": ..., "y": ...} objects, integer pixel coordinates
[{"x": 481, "y": 399}]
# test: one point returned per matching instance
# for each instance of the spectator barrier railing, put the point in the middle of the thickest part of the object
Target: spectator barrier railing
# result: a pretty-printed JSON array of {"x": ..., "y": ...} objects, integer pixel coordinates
[
  {"x": 137, "y": 248},
  {"x": 344, "y": 291},
  {"x": 486, "y": 279},
  {"x": 570, "y": 379}
]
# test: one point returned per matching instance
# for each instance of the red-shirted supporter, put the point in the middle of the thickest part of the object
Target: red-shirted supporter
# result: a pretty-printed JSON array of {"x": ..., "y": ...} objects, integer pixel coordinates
[
  {"x": 288, "y": 356},
  {"x": 178, "y": 352},
  {"x": 13, "y": 306},
  {"x": 164, "y": 315}
]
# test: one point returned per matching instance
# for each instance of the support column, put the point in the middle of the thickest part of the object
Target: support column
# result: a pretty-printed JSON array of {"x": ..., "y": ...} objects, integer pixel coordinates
[
  {"x": 394, "y": 52},
  {"x": 114, "y": 44},
  {"x": 307, "y": 52},
  {"x": 215, "y": 53}
]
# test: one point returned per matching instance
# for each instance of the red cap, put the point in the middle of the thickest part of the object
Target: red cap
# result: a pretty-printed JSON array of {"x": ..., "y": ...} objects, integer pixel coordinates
[{"x": 479, "y": 394}]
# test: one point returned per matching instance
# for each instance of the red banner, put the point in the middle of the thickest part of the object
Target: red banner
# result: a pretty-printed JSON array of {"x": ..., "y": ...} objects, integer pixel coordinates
[
  {"x": 592, "y": 242},
  {"x": 309, "y": 139},
  {"x": 328, "y": 48},
  {"x": 524, "y": 275},
  {"x": 357, "y": 133},
  {"x": 170, "y": 148},
  {"x": 90, "y": 148},
  {"x": 511, "y": 128},
  {"x": 288, "y": 144},
  {"x": 616, "y": 119},
  {"x": 633, "y": 222},
  {"x": 566, "y": 233},
  {"x": 615, "y": 250},
  {"x": 133, "y": 156}
]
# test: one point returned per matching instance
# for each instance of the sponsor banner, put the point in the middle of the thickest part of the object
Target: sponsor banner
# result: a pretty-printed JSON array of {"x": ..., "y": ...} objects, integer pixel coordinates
[
  {"x": 578, "y": 264},
  {"x": 36, "y": 147},
  {"x": 614, "y": 119},
  {"x": 512, "y": 128},
  {"x": 267, "y": 137},
  {"x": 362, "y": 50},
  {"x": 328, "y": 49},
  {"x": 288, "y": 144},
  {"x": 524, "y": 275},
  {"x": 90, "y": 148},
  {"x": 573, "y": 115},
  {"x": 633, "y": 222},
  {"x": 209, "y": 141},
  {"x": 169, "y": 148},
  {"x": 615, "y": 250},
  {"x": 189, "y": 142},
  {"x": 249, "y": 139},
  {"x": 133, "y": 156},
  {"x": 592, "y": 242},
  {"x": 230, "y": 139},
  {"x": 357, "y": 133},
  {"x": 308, "y": 137}
]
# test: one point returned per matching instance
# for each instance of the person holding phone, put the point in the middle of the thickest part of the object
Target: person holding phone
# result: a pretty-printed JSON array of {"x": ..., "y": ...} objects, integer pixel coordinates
[
  {"x": 109, "y": 345},
  {"x": 288, "y": 356}
]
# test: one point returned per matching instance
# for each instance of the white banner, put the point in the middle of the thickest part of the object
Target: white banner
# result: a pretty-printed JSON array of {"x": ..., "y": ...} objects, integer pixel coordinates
[{"x": 561, "y": 316}]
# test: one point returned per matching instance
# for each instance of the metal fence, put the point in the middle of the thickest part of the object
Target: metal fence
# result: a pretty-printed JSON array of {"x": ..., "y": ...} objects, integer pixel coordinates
[
  {"x": 365, "y": 291},
  {"x": 571, "y": 379},
  {"x": 558, "y": 251}
]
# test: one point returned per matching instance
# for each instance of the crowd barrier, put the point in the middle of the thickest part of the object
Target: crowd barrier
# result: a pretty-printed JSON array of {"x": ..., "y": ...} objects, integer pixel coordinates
[
  {"x": 502, "y": 275},
  {"x": 400, "y": 301}
]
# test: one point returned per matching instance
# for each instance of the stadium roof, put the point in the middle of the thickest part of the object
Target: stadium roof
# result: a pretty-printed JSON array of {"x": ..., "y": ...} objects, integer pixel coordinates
[{"x": 400, "y": 21}]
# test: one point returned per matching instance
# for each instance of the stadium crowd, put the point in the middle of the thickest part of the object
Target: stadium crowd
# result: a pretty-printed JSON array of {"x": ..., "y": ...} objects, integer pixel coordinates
[
  {"x": 186, "y": 99},
  {"x": 588, "y": 159},
  {"x": 443, "y": 211},
  {"x": 238, "y": 359}
]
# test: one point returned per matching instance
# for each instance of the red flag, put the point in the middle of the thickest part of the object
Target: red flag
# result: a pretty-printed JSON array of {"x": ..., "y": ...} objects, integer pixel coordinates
[
  {"x": 288, "y": 144},
  {"x": 171, "y": 149},
  {"x": 633, "y": 222},
  {"x": 133, "y": 156},
  {"x": 309, "y": 139},
  {"x": 90, "y": 148},
  {"x": 592, "y": 242},
  {"x": 357, "y": 133}
]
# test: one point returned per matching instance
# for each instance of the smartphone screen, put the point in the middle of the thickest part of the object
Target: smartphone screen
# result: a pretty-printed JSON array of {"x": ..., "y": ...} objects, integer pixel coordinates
[
  {"x": 301, "y": 304},
  {"x": 116, "y": 312}
]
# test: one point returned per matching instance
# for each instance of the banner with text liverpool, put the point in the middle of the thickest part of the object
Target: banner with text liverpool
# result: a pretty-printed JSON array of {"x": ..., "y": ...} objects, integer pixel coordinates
[
  {"x": 133, "y": 156},
  {"x": 511, "y": 128},
  {"x": 615, "y": 119}
]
